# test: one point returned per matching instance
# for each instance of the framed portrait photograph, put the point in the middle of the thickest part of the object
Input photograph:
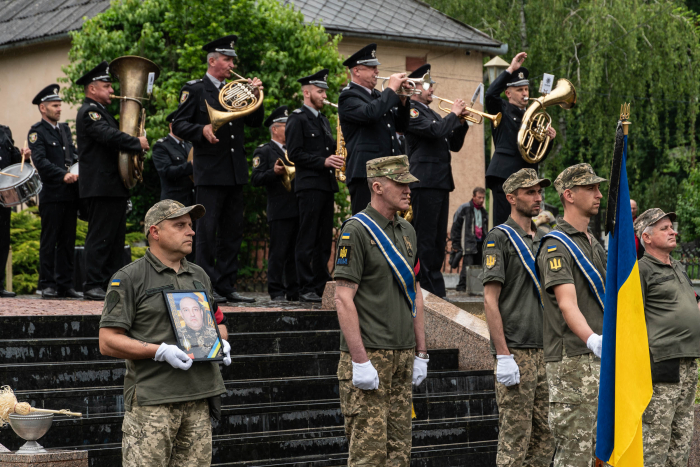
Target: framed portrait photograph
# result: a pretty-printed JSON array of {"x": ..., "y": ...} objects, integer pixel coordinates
[{"x": 192, "y": 316}]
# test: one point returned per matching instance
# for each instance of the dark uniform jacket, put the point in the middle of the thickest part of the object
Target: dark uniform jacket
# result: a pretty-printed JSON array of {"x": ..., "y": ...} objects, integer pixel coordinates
[
  {"x": 429, "y": 140},
  {"x": 369, "y": 124},
  {"x": 309, "y": 143},
  {"x": 170, "y": 159},
  {"x": 506, "y": 159},
  {"x": 223, "y": 163},
  {"x": 281, "y": 204},
  {"x": 9, "y": 154},
  {"x": 49, "y": 157},
  {"x": 99, "y": 143},
  {"x": 463, "y": 234}
]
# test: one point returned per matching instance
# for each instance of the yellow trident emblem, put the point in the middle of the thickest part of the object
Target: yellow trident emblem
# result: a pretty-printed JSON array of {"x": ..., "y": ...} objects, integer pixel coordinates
[
  {"x": 343, "y": 252},
  {"x": 490, "y": 261},
  {"x": 555, "y": 264}
]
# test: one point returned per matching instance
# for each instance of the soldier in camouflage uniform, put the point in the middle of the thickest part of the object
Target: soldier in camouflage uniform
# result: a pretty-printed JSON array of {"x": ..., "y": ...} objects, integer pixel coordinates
[
  {"x": 167, "y": 406},
  {"x": 382, "y": 346},
  {"x": 673, "y": 327},
  {"x": 573, "y": 319},
  {"x": 514, "y": 315}
]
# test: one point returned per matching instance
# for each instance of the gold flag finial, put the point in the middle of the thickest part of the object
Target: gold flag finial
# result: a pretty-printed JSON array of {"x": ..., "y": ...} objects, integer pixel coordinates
[{"x": 624, "y": 117}]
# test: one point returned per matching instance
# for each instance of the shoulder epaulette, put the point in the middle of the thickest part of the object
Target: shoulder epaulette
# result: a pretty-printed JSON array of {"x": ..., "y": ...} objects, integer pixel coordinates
[
  {"x": 162, "y": 139},
  {"x": 297, "y": 111},
  {"x": 346, "y": 88},
  {"x": 93, "y": 104},
  {"x": 37, "y": 124},
  {"x": 191, "y": 82},
  {"x": 261, "y": 145}
]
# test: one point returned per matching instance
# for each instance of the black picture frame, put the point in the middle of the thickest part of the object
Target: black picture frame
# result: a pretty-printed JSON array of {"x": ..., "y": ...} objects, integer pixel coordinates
[{"x": 188, "y": 338}]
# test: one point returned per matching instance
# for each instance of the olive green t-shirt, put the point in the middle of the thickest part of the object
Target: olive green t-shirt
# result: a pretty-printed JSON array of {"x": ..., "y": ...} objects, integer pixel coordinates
[
  {"x": 135, "y": 302},
  {"x": 670, "y": 309},
  {"x": 557, "y": 267},
  {"x": 382, "y": 308},
  {"x": 518, "y": 302}
]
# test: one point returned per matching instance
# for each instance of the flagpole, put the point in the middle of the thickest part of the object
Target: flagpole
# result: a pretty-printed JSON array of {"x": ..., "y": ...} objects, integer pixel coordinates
[{"x": 624, "y": 118}]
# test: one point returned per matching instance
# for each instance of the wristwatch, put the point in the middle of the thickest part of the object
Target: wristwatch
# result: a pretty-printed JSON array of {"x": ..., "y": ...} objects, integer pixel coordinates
[{"x": 423, "y": 355}]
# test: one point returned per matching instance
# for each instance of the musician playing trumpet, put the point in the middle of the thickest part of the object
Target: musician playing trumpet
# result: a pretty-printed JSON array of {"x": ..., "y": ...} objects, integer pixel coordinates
[
  {"x": 506, "y": 159},
  {"x": 429, "y": 140}
]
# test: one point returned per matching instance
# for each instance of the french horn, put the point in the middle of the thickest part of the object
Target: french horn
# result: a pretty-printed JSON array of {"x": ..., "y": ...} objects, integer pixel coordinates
[{"x": 238, "y": 99}]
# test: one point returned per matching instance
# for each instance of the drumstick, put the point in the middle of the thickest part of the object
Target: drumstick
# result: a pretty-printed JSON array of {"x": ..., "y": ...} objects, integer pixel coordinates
[
  {"x": 21, "y": 167},
  {"x": 9, "y": 175}
]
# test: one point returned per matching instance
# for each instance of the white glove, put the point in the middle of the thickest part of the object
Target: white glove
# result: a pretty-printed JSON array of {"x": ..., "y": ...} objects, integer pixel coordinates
[
  {"x": 507, "y": 371},
  {"x": 227, "y": 352},
  {"x": 364, "y": 376},
  {"x": 173, "y": 355},
  {"x": 420, "y": 370},
  {"x": 595, "y": 344}
]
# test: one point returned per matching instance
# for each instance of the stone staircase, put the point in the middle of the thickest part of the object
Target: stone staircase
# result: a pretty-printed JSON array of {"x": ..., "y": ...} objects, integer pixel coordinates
[{"x": 281, "y": 404}]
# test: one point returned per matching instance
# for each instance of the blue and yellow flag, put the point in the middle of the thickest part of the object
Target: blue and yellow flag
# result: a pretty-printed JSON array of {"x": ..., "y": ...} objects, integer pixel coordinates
[{"x": 625, "y": 374}]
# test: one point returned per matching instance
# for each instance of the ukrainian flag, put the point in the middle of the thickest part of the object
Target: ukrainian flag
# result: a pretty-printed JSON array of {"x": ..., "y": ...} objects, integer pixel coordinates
[{"x": 625, "y": 374}]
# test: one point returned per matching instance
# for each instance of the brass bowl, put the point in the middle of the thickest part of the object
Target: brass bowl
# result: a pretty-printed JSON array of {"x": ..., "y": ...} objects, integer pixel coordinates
[{"x": 30, "y": 428}]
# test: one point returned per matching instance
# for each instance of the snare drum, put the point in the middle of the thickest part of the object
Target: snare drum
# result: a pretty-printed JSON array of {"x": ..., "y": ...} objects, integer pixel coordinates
[
  {"x": 14, "y": 191},
  {"x": 73, "y": 169}
]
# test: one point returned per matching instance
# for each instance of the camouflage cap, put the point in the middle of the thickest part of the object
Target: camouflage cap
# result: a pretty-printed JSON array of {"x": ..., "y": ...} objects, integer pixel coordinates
[
  {"x": 524, "y": 178},
  {"x": 394, "y": 168},
  {"x": 169, "y": 209},
  {"x": 651, "y": 217},
  {"x": 576, "y": 175}
]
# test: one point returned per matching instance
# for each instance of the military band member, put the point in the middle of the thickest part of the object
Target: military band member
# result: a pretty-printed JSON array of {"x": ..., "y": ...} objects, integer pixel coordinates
[
  {"x": 53, "y": 154},
  {"x": 170, "y": 159},
  {"x": 311, "y": 148},
  {"x": 282, "y": 209},
  {"x": 429, "y": 140},
  {"x": 514, "y": 316},
  {"x": 673, "y": 326},
  {"x": 369, "y": 120},
  {"x": 9, "y": 155},
  {"x": 220, "y": 167},
  {"x": 506, "y": 159},
  {"x": 381, "y": 318},
  {"x": 571, "y": 265},
  {"x": 101, "y": 186}
]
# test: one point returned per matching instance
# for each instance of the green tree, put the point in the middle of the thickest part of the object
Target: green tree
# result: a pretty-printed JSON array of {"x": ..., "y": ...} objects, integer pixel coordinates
[{"x": 635, "y": 51}]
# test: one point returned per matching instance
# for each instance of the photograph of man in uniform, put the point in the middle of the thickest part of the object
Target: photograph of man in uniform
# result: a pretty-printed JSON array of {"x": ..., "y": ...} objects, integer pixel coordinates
[{"x": 194, "y": 324}]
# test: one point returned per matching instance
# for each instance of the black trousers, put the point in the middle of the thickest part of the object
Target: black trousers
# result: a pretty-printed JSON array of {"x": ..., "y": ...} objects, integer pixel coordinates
[
  {"x": 281, "y": 263},
  {"x": 220, "y": 234},
  {"x": 104, "y": 242},
  {"x": 501, "y": 206},
  {"x": 430, "y": 214},
  {"x": 5, "y": 217},
  {"x": 470, "y": 260},
  {"x": 57, "y": 247},
  {"x": 360, "y": 195},
  {"x": 315, "y": 239}
]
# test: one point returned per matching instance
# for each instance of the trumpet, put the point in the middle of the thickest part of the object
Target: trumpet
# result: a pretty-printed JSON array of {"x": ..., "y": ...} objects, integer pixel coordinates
[
  {"x": 495, "y": 119},
  {"x": 340, "y": 148},
  {"x": 411, "y": 86}
]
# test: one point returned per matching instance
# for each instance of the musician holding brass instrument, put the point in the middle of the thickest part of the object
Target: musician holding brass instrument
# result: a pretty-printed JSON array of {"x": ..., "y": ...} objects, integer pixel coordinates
[
  {"x": 507, "y": 159},
  {"x": 429, "y": 140},
  {"x": 212, "y": 115},
  {"x": 101, "y": 187},
  {"x": 273, "y": 170},
  {"x": 311, "y": 147},
  {"x": 370, "y": 119}
]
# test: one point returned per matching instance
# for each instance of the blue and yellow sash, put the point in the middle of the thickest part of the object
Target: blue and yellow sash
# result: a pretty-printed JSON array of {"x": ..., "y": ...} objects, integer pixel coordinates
[
  {"x": 402, "y": 271},
  {"x": 526, "y": 256},
  {"x": 595, "y": 282}
]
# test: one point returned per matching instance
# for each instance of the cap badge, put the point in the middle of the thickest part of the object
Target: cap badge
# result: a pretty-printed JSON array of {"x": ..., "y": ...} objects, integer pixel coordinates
[
  {"x": 325, "y": 77},
  {"x": 55, "y": 90},
  {"x": 286, "y": 114},
  {"x": 107, "y": 70},
  {"x": 521, "y": 75},
  {"x": 374, "y": 53},
  {"x": 233, "y": 43}
]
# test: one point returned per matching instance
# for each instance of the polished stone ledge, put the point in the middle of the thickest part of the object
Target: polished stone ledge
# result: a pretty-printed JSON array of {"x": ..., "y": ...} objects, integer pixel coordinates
[{"x": 52, "y": 458}]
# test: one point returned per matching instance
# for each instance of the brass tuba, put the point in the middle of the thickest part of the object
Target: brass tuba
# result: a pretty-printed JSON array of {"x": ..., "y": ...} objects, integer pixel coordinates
[
  {"x": 536, "y": 121},
  {"x": 289, "y": 172},
  {"x": 238, "y": 99},
  {"x": 135, "y": 81},
  {"x": 340, "y": 149}
]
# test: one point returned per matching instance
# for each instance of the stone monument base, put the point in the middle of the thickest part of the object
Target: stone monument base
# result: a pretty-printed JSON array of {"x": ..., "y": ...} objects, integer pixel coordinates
[{"x": 57, "y": 458}]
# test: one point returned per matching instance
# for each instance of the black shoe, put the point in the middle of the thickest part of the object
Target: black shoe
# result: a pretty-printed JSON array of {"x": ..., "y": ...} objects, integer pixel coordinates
[
  {"x": 70, "y": 293},
  {"x": 278, "y": 298},
  {"x": 49, "y": 292},
  {"x": 94, "y": 294},
  {"x": 293, "y": 298},
  {"x": 218, "y": 298},
  {"x": 5, "y": 294},
  {"x": 235, "y": 297},
  {"x": 460, "y": 289},
  {"x": 310, "y": 297}
]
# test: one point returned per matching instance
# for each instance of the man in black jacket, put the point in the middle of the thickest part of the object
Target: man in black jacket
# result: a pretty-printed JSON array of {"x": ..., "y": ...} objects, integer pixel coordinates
[
  {"x": 470, "y": 225},
  {"x": 369, "y": 120},
  {"x": 506, "y": 159},
  {"x": 53, "y": 154},
  {"x": 220, "y": 167},
  {"x": 429, "y": 140},
  {"x": 311, "y": 148},
  {"x": 175, "y": 172},
  {"x": 101, "y": 186},
  {"x": 282, "y": 210},
  {"x": 9, "y": 154}
]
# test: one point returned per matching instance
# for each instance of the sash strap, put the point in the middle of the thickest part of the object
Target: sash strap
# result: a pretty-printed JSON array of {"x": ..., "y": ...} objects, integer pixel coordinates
[{"x": 525, "y": 254}]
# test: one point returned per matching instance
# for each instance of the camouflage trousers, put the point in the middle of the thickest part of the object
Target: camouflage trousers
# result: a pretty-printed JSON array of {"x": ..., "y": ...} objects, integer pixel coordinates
[
  {"x": 667, "y": 423},
  {"x": 573, "y": 409},
  {"x": 378, "y": 423},
  {"x": 524, "y": 438},
  {"x": 167, "y": 435}
]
